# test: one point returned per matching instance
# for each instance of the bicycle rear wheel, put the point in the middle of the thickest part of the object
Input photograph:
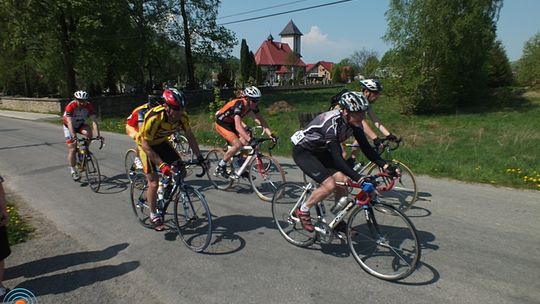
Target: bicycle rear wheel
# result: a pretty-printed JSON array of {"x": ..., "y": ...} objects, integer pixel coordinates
[
  {"x": 139, "y": 203},
  {"x": 93, "y": 176},
  {"x": 181, "y": 145},
  {"x": 265, "y": 176},
  {"x": 286, "y": 199},
  {"x": 193, "y": 219},
  {"x": 383, "y": 241},
  {"x": 404, "y": 193},
  {"x": 129, "y": 164},
  {"x": 213, "y": 157}
]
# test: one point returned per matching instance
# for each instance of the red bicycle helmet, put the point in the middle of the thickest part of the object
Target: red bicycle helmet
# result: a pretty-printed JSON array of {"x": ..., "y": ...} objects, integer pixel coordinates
[{"x": 174, "y": 98}]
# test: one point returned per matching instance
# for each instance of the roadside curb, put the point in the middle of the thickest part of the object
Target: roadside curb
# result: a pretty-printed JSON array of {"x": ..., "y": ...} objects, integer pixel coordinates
[{"x": 28, "y": 115}]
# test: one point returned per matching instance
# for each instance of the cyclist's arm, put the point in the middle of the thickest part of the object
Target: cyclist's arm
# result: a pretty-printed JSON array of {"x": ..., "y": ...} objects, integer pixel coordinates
[
  {"x": 69, "y": 122},
  {"x": 239, "y": 126},
  {"x": 377, "y": 122},
  {"x": 368, "y": 131},
  {"x": 335, "y": 150},
  {"x": 367, "y": 149},
  {"x": 95, "y": 125},
  {"x": 193, "y": 142},
  {"x": 262, "y": 122}
]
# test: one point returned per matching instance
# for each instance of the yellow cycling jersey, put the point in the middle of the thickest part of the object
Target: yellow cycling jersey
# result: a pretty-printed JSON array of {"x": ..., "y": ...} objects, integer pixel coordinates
[{"x": 156, "y": 129}]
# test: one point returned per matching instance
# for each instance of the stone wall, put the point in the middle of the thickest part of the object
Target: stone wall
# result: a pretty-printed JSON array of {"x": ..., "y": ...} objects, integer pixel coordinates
[{"x": 122, "y": 105}]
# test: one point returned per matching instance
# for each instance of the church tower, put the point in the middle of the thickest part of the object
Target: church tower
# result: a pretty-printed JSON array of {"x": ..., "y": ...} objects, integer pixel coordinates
[{"x": 292, "y": 35}]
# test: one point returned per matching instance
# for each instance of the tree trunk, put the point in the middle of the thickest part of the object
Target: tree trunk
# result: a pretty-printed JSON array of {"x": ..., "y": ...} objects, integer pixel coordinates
[
  {"x": 67, "y": 49},
  {"x": 187, "y": 46}
]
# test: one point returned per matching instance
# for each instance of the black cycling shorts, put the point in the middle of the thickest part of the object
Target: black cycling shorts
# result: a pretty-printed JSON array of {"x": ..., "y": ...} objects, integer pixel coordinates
[
  {"x": 317, "y": 165},
  {"x": 165, "y": 151},
  {"x": 5, "y": 251}
]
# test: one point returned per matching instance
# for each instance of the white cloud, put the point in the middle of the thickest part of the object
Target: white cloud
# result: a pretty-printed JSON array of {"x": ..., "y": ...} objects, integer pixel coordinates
[{"x": 316, "y": 46}]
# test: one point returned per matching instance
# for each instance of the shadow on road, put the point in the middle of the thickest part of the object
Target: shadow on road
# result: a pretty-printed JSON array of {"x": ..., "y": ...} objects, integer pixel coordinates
[{"x": 69, "y": 280}]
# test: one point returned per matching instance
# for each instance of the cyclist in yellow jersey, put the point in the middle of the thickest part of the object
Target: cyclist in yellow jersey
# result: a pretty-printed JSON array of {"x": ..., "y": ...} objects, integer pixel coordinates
[{"x": 155, "y": 151}]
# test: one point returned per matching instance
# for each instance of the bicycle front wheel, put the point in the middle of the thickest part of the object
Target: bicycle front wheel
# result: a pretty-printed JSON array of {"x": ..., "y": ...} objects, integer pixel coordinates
[
  {"x": 265, "y": 176},
  {"x": 383, "y": 241},
  {"x": 404, "y": 193},
  {"x": 93, "y": 176},
  {"x": 193, "y": 219},
  {"x": 219, "y": 181},
  {"x": 286, "y": 199},
  {"x": 139, "y": 203}
]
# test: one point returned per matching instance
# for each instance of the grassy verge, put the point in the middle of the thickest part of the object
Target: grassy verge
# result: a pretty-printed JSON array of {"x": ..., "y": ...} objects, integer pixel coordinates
[
  {"x": 19, "y": 230},
  {"x": 497, "y": 145}
]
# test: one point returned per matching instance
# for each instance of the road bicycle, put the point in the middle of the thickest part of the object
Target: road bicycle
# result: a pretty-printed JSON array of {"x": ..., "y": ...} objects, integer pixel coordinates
[
  {"x": 191, "y": 215},
  {"x": 404, "y": 193},
  {"x": 264, "y": 172},
  {"x": 381, "y": 238},
  {"x": 87, "y": 162}
]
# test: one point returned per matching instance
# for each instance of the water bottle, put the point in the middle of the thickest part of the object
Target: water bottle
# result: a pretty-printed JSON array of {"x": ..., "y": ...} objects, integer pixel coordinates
[
  {"x": 358, "y": 166},
  {"x": 160, "y": 191},
  {"x": 340, "y": 204}
]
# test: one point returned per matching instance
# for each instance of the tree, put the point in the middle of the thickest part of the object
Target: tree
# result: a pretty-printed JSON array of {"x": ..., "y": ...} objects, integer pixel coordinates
[
  {"x": 200, "y": 33},
  {"x": 364, "y": 61},
  {"x": 440, "y": 49},
  {"x": 498, "y": 67},
  {"x": 245, "y": 61},
  {"x": 528, "y": 66}
]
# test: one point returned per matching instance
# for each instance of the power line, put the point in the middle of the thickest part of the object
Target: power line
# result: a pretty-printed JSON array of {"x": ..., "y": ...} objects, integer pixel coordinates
[
  {"x": 291, "y": 11},
  {"x": 261, "y": 9}
]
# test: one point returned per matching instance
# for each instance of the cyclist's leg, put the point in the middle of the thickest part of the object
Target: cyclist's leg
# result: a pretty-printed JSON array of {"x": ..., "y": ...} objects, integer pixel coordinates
[
  {"x": 85, "y": 130},
  {"x": 311, "y": 164},
  {"x": 151, "y": 176},
  {"x": 72, "y": 147},
  {"x": 234, "y": 141}
]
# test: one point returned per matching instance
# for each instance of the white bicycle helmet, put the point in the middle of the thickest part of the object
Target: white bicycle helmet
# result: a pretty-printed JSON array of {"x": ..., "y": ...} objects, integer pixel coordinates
[
  {"x": 354, "y": 102},
  {"x": 81, "y": 95},
  {"x": 372, "y": 85},
  {"x": 252, "y": 92}
]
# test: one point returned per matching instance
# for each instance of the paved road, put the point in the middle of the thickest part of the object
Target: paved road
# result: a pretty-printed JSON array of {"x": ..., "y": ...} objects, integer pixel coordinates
[{"x": 480, "y": 243}]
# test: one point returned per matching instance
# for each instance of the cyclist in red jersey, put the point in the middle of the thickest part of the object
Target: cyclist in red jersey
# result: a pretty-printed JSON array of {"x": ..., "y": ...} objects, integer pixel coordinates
[
  {"x": 75, "y": 115},
  {"x": 230, "y": 126}
]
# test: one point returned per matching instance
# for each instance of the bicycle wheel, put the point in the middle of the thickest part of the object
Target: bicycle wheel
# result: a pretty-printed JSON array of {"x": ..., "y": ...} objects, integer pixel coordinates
[
  {"x": 139, "y": 204},
  {"x": 213, "y": 157},
  {"x": 93, "y": 176},
  {"x": 265, "y": 176},
  {"x": 383, "y": 241},
  {"x": 129, "y": 164},
  {"x": 286, "y": 199},
  {"x": 404, "y": 193},
  {"x": 181, "y": 145},
  {"x": 193, "y": 219}
]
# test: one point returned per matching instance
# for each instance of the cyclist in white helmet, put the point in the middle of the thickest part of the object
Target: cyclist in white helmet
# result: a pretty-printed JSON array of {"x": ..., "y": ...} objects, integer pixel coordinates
[
  {"x": 74, "y": 118},
  {"x": 371, "y": 89},
  {"x": 230, "y": 126},
  {"x": 317, "y": 151}
]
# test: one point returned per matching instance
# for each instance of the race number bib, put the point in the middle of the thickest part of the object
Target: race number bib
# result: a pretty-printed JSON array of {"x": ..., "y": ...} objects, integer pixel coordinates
[{"x": 297, "y": 137}]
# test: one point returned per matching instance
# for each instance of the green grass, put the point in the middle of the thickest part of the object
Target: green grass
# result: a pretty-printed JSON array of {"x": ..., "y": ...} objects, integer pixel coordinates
[
  {"x": 497, "y": 146},
  {"x": 18, "y": 228}
]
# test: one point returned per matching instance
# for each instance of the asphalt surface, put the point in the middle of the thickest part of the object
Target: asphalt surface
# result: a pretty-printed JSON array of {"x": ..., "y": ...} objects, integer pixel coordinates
[{"x": 480, "y": 243}]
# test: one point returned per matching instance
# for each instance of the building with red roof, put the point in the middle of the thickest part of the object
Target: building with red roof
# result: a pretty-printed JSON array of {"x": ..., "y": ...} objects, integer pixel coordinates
[
  {"x": 320, "y": 72},
  {"x": 277, "y": 60}
]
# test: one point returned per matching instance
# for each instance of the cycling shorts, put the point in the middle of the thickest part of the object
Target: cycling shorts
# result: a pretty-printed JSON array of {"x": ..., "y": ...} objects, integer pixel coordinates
[
  {"x": 165, "y": 151},
  {"x": 227, "y": 133},
  {"x": 317, "y": 165},
  {"x": 77, "y": 130}
]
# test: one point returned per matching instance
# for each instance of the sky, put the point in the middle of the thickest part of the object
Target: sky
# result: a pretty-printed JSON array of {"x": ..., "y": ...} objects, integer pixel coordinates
[{"x": 334, "y": 32}]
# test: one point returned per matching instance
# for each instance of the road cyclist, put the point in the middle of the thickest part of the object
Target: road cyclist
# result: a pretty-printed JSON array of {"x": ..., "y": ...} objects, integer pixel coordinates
[
  {"x": 74, "y": 122},
  {"x": 155, "y": 149}
]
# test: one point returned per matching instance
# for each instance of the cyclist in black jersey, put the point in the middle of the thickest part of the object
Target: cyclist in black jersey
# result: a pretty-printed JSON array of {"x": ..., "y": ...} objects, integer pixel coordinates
[{"x": 317, "y": 151}]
